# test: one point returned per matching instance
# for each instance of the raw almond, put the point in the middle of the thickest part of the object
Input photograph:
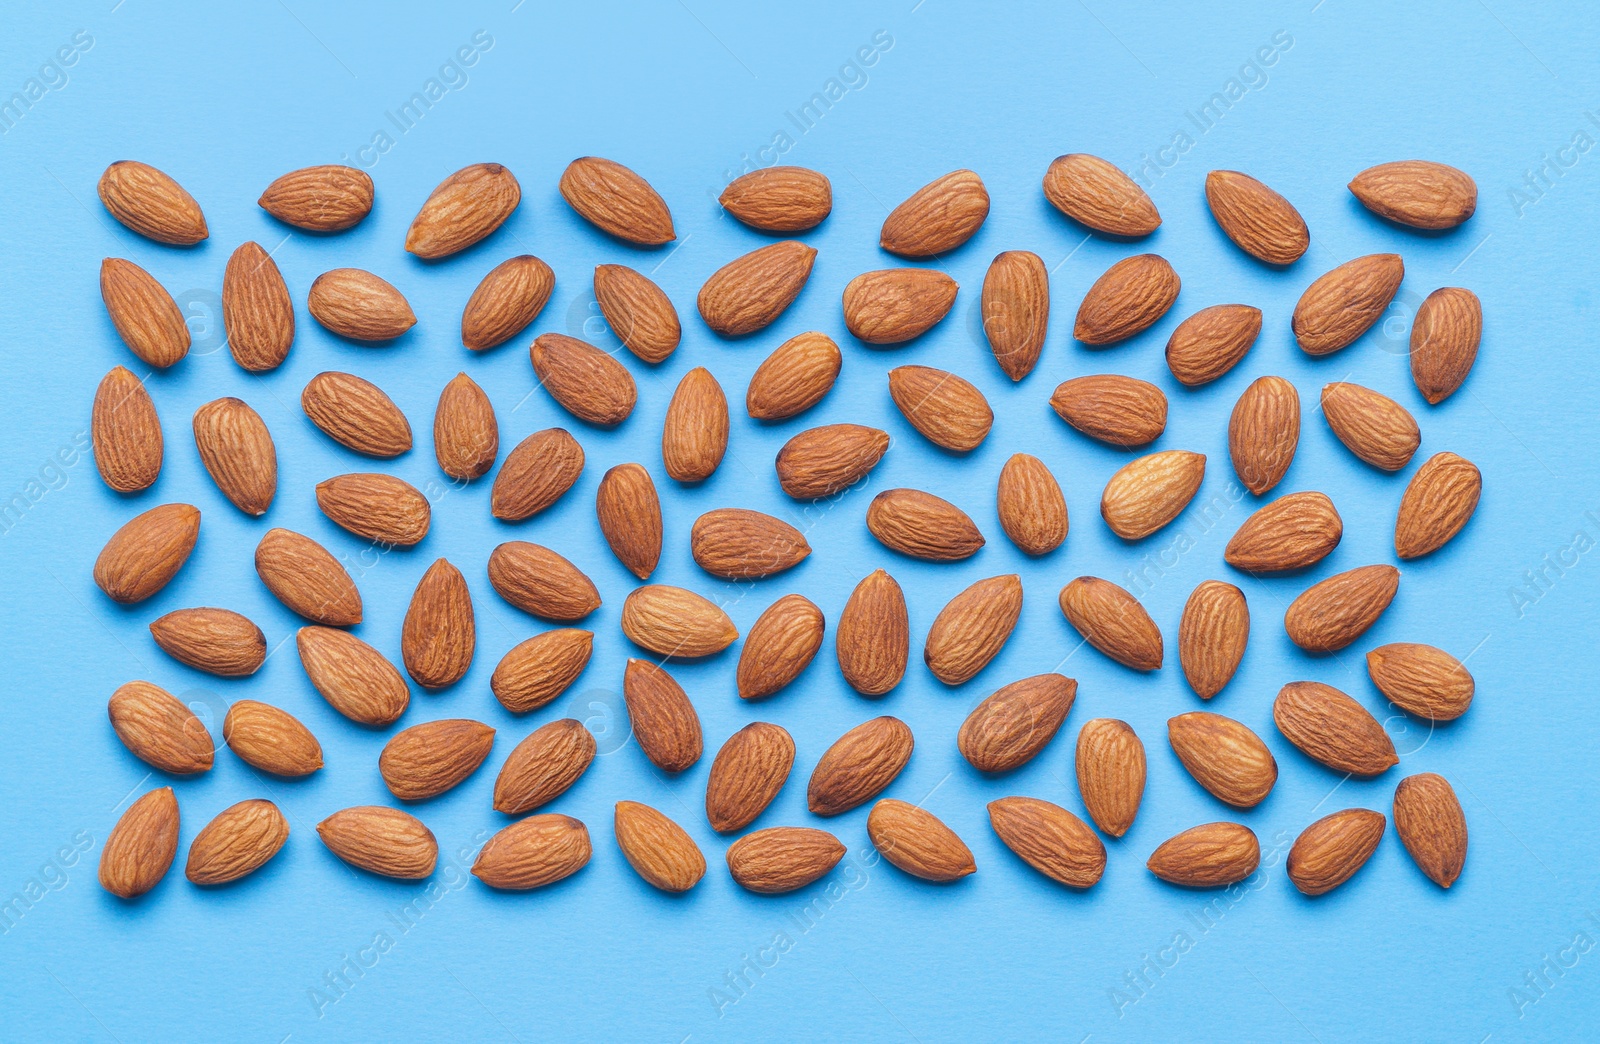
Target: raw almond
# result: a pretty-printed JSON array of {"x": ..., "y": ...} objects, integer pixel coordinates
[
  {"x": 1437, "y": 503},
  {"x": 125, "y": 432},
  {"x": 1417, "y": 193},
  {"x": 1212, "y": 636},
  {"x": 1212, "y": 855},
  {"x": 1426, "y": 681},
  {"x": 356, "y": 679},
  {"x": 146, "y": 553},
  {"x": 145, "y": 315},
  {"x": 820, "y": 462},
  {"x": 426, "y": 760},
  {"x": 1292, "y": 532},
  {"x": 638, "y": 312},
  {"x": 779, "y": 199},
  {"x": 694, "y": 435},
  {"x": 1264, "y": 432},
  {"x": 535, "y": 474},
  {"x": 1098, "y": 194},
  {"x": 159, "y": 729},
  {"x": 793, "y": 378},
  {"x": 438, "y": 637},
  {"x": 1333, "y": 729},
  {"x": 509, "y": 298},
  {"x": 1329, "y": 852},
  {"x": 272, "y": 740},
  {"x": 738, "y": 544},
  {"x": 629, "y": 511},
  {"x": 873, "y": 640},
  {"x": 1017, "y": 721},
  {"x": 356, "y": 414},
  {"x": 659, "y": 850},
  {"x": 747, "y": 774},
  {"x": 782, "y": 859},
  {"x": 238, "y": 453},
  {"x": 1121, "y": 411},
  {"x": 1331, "y": 614},
  {"x": 465, "y": 208},
  {"x": 1444, "y": 341},
  {"x": 922, "y": 525},
  {"x": 1428, "y": 818},
  {"x": 152, "y": 204},
  {"x": 1050, "y": 839},
  {"x": 894, "y": 305},
  {"x": 329, "y": 198},
  {"x": 918, "y": 842},
  {"x": 533, "y": 853},
  {"x": 357, "y": 304},
  {"x": 749, "y": 292},
  {"x": 1111, "y": 773},
  {"x": 1341, "y": 305},
  {"x": 256, "y": 309},
  {"x": 219, "y": 641},
  {"x": 541, "y": 768},
  {"x": 1259, "y": 221},
  {"x": 541, "y": 668},
  {"x": 664, "y": 721},
  {"x": 466, "y": 436},
  {"x": 237, "y": 843},
  {"x": 617, "y": 201},
  {"x": 588, "y": 383},
  {"x": 1032, "y": 510},
  {"x": 859, "y": 765},
  {"x": 304, "y": 575},
  {"x": 938, "y": 217},
  {"x": 379, "y": 507},
  {"x": 780, "y": 645},
  {"x": 671, "y": 621},
  {"x": 1129, "y": 298},
  {"x": 972, "y": 628},
  {"x": 1223, "y": 756},
  {"x": 1211, "y": 342},
  {"x": 1015, "y": 306},
  {"x": 1150, "y": 491},
  {"x": 539, "y": 581},
  {"x": 140, "y": 848},
  {"x": 382, "y": 841},
  {"x": 1113, "y": 621},
  {"x": 950, "y": 412},
  {"x": 1372, "y": 426}
]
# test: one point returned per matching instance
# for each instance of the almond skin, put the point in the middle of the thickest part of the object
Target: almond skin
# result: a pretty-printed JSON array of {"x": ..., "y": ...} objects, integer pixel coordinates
[
  {"x": 1015, "y": 306},
  {"x": 820, "y": 462},
  {"x": 1111, "y": 773},
  {"x": 747, "y": 774},
  {"x": 664, "y": 721},
  {"x": 1259, "y": 221},
  {"x": 588, "y": 383},
  {"x": 1223, "y": 756},
  {"x": 145, "y": 315},
  {"x": 1211, "y": 342},
  {"x": 533, "y": 853},
  {"x": 895, "y": 305},
  {"x": 1017, "y": 721},
  {"x": 1050, "y": 839},
  {"x": 1428, "y": 818},
  {"x": 237, "y": 843},
  {"x": 140, "y": 848},
  {"x": 466, "y": 436},
  {"x": 439, "y": 635},
  {"x": 357, "y": 304},
  {"x": 617, "y": 201},
  {"x": 1264, "y": 432},
  {"x": 748, "y": 293},
  {"x": 219, "y": 641},
  {"x": 918, "y": 842},
  {"x": 793, "y": 378},
  {"x": 638, "y": 312},
  {"x": 1212, "y": 636},
  {"x": 873, "y": 639},
  {"x": 1333, "y": 729},
  {"x": 384, "y": 841},
  {"x": 1372, "y": 426},
  {"x": 1150, "y": 491},
  {"x": 694, "y": 435},
  {"x": 1330, "y": 851},
  {"x": 1121, "y": 411},
  {"x": 541, "y": 668},
  {"x": 1113, "y": 621},
  {"x": 152, "y": 204},
  {"x": 509, "y": 298},
  {"x": 780, "y": 645},
  {"x": 1129, "y": 298},
  {"x": 1341, "y": 305},
  {"x": 356, "y": 414},
  {"x": 159, "y": 729},
  {"x": 972, "y": 628},
  {"x": 1444, "y": 341},
  {"x": 539, "y": 581},
  {"x": 1426, "y": 681},
  {"x": 938, "y": 217},
  {"x": 659, "y": 850},
  {"x": 536, "y": 474},
  {"x": 779, "y": 199},
  {"x": 305, "y": 577},
  {"x": 355, "y": 679},
  {"x": 426, "y": 760},
  {"x": 1098, "y": 194},
  {"x": 256, "y": 309},
  {"x": 671, "y": 621},
  {"x": 465, "y": 208},
  {"x": 125, "y": 432},
  {"x": 541, "y": 768},
  {"x": 782, "y": 859},
  {"x": 1438, "y": 501},
  {"x": 1417, "y": 193},
  {"x": 1212, "y": 855},
  {"x": 922, "y": 525},
  {"x": 271, "y": 740},
  {"x": 379, "y": 507},
  {"x": 146, "y": 553},
  {"x": 329, "y": 198},
  {"x": 859, "y": 765},
  {"x": 950, "y": 412},
  {"x": 1335, "y": 612},
  {"x": 1032, "y": 510},
  {"x": 238, "y": 453},
  {"x": 738, "y": 544},
  {"x": 629, "y": 511},
  {"x": 1292, "y": 532}
]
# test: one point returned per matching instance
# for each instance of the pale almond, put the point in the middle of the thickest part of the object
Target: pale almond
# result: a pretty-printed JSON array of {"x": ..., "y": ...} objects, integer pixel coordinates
[
  {"x": 659, "y": 850},
  {"x": 750, "y": 292},
  {"x": 305, "y": 577},
  {"x": 859, "y": 765},
  {"x": 949, "y": 411},
  {"x": 1032, "y": 510},
  {"x": 438, "y": 637},
  {"x": 151, "y": 203},
  {"x": 509, "y": 298},
  {"x": 1121, "y": 411},
  {"x": 272, "y": 740},
  {"x": 779, "y": 199},
  {"x": 1015, "y": 722},
  {"x": 1331, "y": 614},
  {"x": 1113, "y": 621},
  {"x": 629, "y": 512},
  {"x": 1438, "y": 501},
  {"x": 664, "y": 721},
  {"x": 256, "y": 309},
  {"x": 972, "y": 628},
  {"x": 145, "y": 315},
  {"x": 328, "y": 198},
  {"x": 1098, "y": 194},
  {"x": 672, "y": 621},
  {"x": 747, "y": 774},
  {"x": 1150, "y": 491},
  {"x": 873, "y": 640},
  {"x": 1015, "y": 306},
  {"x": 539, "y": 581},
  {"x": 938, "y": 217},
  {"x": 585, "y": 381},
  {"x": 1211, "y": 342},
  {"x": 1333, "y": 729},
  {"x": 694, "y": 435},
  {"x": 637, "y": 311},
  {"x": 1372, "y": 426},
  {"x": 536, "y": 473},
  {"x": 894, "y": 305},
  {"x": 465, "y": 208},
  {"x": 1341, "y": 305},
  {"x": 1417, "y": 193},
  {"x": 381, "y": 508},
  {"x": 145, "y": 554},
  {"x": 617, "y": 201},
  {"x": 356, "y": 413},
  {"x": 1264, "y": 432},
  {"x": 793, "y": 378},
  {"x": 1212, "y": 636},
  {"x": 1130, "y": 297},
  {"x": 218, "y": 641},
  {"x": 359, "y": 305}
]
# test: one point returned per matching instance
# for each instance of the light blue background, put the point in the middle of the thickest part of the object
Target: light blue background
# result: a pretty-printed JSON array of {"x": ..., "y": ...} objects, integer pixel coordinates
[{"x": 226, "y": 99}]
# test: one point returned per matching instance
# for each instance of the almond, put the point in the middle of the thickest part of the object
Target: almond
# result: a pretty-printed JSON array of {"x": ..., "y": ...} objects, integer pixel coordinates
[
  {"x": 1050, "y": 839},
  {"x": 1437, "y": 503},
  {"x": 1292, "y": 532},
  {"x": 145, "y": 315},
  {"x": 950, "y": 412},
  {"x": 1129, "y": 298},
  {"x": 256, "y": 309},
  {"x": 1111, "y": 773},
  {"x": 1341, "y": 305},
  {"x": 1264, "y": 432},
  {"x": 938, "y": 217},
  {"x": 382, "y": 841},
  {"x": 1113, "y": 621},
  {"x": 438, "y": 637},
  {"x": 1223, "y": 756},
  {"x": 1096, "y": 193},
  {"x": 859, "y": 765},
  {"x": 466, "y": 436},
  {"x": 466, "y": 208},
  {"x": 1417, "y": 193},
  {"x": 509, "y": 298},
  {"x": 304, "y": 575},
  {"x": 1015, "y": 306},
  {"x": 779, "y": 199},
  {"x": 356, "y": 414},
  {"x": 355, "y": 679},
  {"x": 1259, "y": 221},
  {"x": 539, "y": 581},
  {"x": 152, "y": 204},
  {"x": 588, "y": 383},
  {"x": 972, "y": 628},
  {"x": 1333, "y": 729},
  {"x": 533, "y": 853},
  {"x": 1428, "y": 818},
  {"x": 125, "y": 432},
  {"x": 237, "y": 843},
  {"x": 1009, "y": 728},
  {"x": 271, "y": 740},
  {"x": 1150, "y": 491},
  {"x": 379, "y": 507},
  {"x": 219, "y": 641},
  {"x": 1032, "y": 510},
  {"x": 894, "y": 305},
  {"x": 748, "y": 772},
  {"x": 820, "y": 462},
  {"x": 1121, "y": 411},
  {"x": 535, "y": 474},
  {"x": 737, "y": 544},
  {"x": 1329, "y": 852},
  {"x": 146, "y": 553},
  {"x": 782, "y": 859},
  {"x": 159, "y": 729},
  {"x": 749, "y": 292},
  {"x": 538, "y": 670},
  {"x": 1372, "y": 426},
  {"x": 359, "y": 305},
  {"x": 1331, "y": 614},
  {"x": 793, "y": 378},
  {"x": 664, "y": 721},
  {"x": 426, "y": 760},
  {"x": 638, "y": 312},
  {"x": 1426, "y": 681},
  {"x": 1211, "y": 342},
  {"x": 629, "y": 511},
  {"x": 873, "y": 640},
  {"x": 659, "y": 850},
  {"x": 694, "y": 435},
  {"x": 617, "y": 201},
  {"x": 918, "y": 842},
  {"x": 1212, "y": 636},
  {"x": 329, "y": 198},
  {"x": 1212, "y": 855},
  {"x": 671, "y": 621},
  {"x": 238, "y": 453},
  {"x": 541, "y": 768},
  {"x": 140, "y": 848},
  {"x": 780, "y": 645},
  {"x": 1444, "y": 341},
  {"x": 922, "y": 525}
]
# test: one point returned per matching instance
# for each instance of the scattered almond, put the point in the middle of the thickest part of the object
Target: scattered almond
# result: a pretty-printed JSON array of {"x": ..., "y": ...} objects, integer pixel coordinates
[
  {"x": 1331, "y": 614},
  {"x": 1428, "y": 818},
  {"x": 328, "y": 198},
  {"x": 922, "y": 525},
  {"x": 438, "y": 637},
  {"x": 509, "y": 298},
  {"x": 541, "y": 768},
  {"x": 671, "y": 621},
  {"x": 1212, "y": 855},
  {"x": 1211, "y": 342},
  {"x": 779, "y": 199},
  {"x": 1015, "y": 306},
  {"x": 238, "y": 453},
  {"x": 535, "y": 474},
  {"x": 1017, "y": 721},
  {"x": 125, "y": 432},
  {"x": 694, "y": 435},
  {"x": 950, "y": 412},
  {"x": 1444, "y": 341},
  {"x": 638, "y": 312},
  {"x": 145, "y": 315},
  {"x": 780, "y": 645},
  {"x": 782, "y": 859},
  {"x": 1333, "y": 729},
  {"x": 918, "y": 842},
  {"x": 465, "y": 208},
  {"x": 659, "y": 850},
  {"x": 159, "y": 729},
  {"x": 272, "y": 740},
  {"x": 1372, "y": 426},
  {"x": 1292, "y": 532},
  {"x": 972, "y": 628},
  {"x": 237, "y": 843},
  {"x": 873, "y": 640},
  {"x": 1129, "y": 298},
  {"x": 152, "y": 204},
  {"x": 219, "y": 641},
  {"x": 938, "y": 217},
  {"x": 379, "y": 507},
  {"x": 1122, "y": 411},
  {"x": 1426, "y": 681},
  {"x": 1341, "y": 305},
  {"x": 355, "y": 679},
  {"x": 1329, "y": 852},
  {"x": 1096, "y": 193},
  {"x": 664, "y": 721},
  {"x": 617, "y": 201},
  {"x": 539, "y": 581},
  {"x": 1032, "y": 510},
  {"x": 793, "y": 378},
  {"x": 859, "y": 765},
  {"x": 146, "y": 553},
  {"x": 1223, "y": 756},
  {"x": 1212, "y": 636},
  {"x": 426, "y": 760},
  {"x": 1259, "y": 221},
  {"x": 359, "y": 305},
  {"x": 382, "y": 841},
  {"x": 750, "y": 292},
  {"x": 894, "y": 305},
  {"x": 356, "y": 414},
  {"x": 1437, "y": 503},
  {"x": 304, "y": 576},
  {"x": 1050, "y": 839},
  {"x": 1113, "y": 621},
  {"x": 1150, "y": 491},
  {"x": 738, "y": 544},
  {"x": 1264, "y": 432},
  {"x": 256, "y": 310},
  {"x": 466, "y": 436},
  {"x": 533, "y": 853},
  {"x": 140, "y": 848},
  {"x": 629, "y": 511},
  {"x": 820, "y": 462},
  {"x": 588, "y": 383},
  {"x": 1111, "y": 773},
  {"x": 747, "y": 774},
  {"x": 1417, "y": 193},
  {"x": 541, "y": 668}
]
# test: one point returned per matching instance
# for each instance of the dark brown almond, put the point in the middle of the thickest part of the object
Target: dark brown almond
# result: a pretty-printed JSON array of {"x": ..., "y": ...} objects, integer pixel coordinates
[
  {"x": 380, "y": 840},
  {"x": 779, "y": 199},
  {"x": 1113, "y": 621},
  {"x": 588, "y": 383},
  {"x": 658, "y": 849},
  {"x": 237, "y": 451},
  {"x": 749, "y": 292},
  {"x": 125, "y": 432},
  {"x": 329, "y": 198},
  {"x": 1122, "y": 411},
  {"x": 466, "y": 436},
  {"x": 1438, "y": 501},
  {"x": 1429, "y": 820},
  {"x": 1098, "y": 194},
  {"x": 617, "y": 201},
  {"x": 541, "y": 668},
  {"x": 664, "y": 721},
  {"x": 304, "y": 575},
  {"x": 1426, "y": 681},
  {"x": 1017, "y": 721},
  {"x": 1292, "y": 532},
  {"x": 356, "y": 414},
  {"x": 780, "y": 645},
  {"x": 1050, "y": 839},
  {"x": 533, "y": 853},
  {"x": 219, "y": 641},
  {"x": 1330, "y": 851},
  {"x": 272, "y": 740},
  {"x": 539, "y": 581},
  {"x": 1212, "y": 636},
  {"x": 747, "y": 774},
  {"x": 972, "y": 628},
  {"x": 159, "y": 729},
  {"x": 918, "y": 842},
  {"x": 379, "y": 507},
  {"x": 1150, "y": 491},
  {"x": 438, "y": 637},
  {"x": 1264, "y": 432},
  {"x": 1341, "y": 305},
  {"x": 949, "y": 411},
  {"x": 782, "y": 859},
  {"x": 1111, "y": 773},
  {"x": 426, "y": 760},
  {"x": 1212, "y": 855},
  {"x": 140, "y": 848},
  {"x": 151, "y": 203},
  {"x": 1331, "y": 614},
  {"x": 356, "y": 679},
  {"x": 1372, "y": 426},
  {"x": 1444, "y": 341},
  {"x": 1223, "y": 756},
  {"x": 535, "y": 474},
  {"x": 509, "y": 298},
  {"x": 672, "y": 621},
  {"x": 629, "y": 510},
  {"x": 541, "y": 768},
  {"x": 738, "y": 544},
  {"x": 256, "y": 309},
  {"x": 922, "y": 525},
  {"x": 145, "y": 315},
  {"x": 359, "y": 305},
  {"x": 1418, "y": 193},
  {"x": 894, "y": 305},
  {"x": 820, "y": 462},
  {"x": 1211, "y": 342},
  {"x": 465, "y": 208},
  {"x": 938, "y": 217},
  {"x": 1129, "y": 298},
  {"x": 859, "y": 765},
  {"x": 793, "y": 378},
  {"x": 1259, "y": 221},
  {"x": 1015, "y": 307},
  {"x": 146, "y": 553},
  {"x": 1032, "y": 510},
  {"x": 237, "y": 843},
  {"x": 694, "y": 435},
  {"x": 638, "y": 312},
  {"x": 1333, "y": 729},
  {"x": 873, "y": 640}
]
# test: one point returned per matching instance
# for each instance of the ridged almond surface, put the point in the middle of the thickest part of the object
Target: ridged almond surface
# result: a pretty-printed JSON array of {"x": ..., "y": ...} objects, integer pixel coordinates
[
  {"x": 1211, "y": 342},
  {"x": 588, "y": 383},
  {"x": 1429, "y": 820},
  {"x": 356, "y": 413},
  {"x": 1150, "y": 491},
  {"x": 439, "y": 635},
  {"x": 694, "y": 435},
  {"x": 629, "y": 511},
  {"x": 780, "y": 645},
  {"x": 1418, "y": 193},
  {"x": 922, "y": 525},
  {"x": 1212, "y": 636},
  {"x": 466, "y": 436},
  {"x": 328, "y": 198},
  {"x": 1292, "y": 532},
  {"x": 1444, "y": 341},
  {"x": 146, "y": 553},
  {"x": 382, "y": 508},
  {"x": 359, "y": 305},
  {"x": 1333, "y": 729},
  {"x": 1437, "y": 503},
  {"x": 256, "y": 309},
  {"x": 918, "y": 842},
  {"x": 1015, "y": 306},
  {"x": 535, "y": 474},
  {"x": 820, "y": 462},
  {"x": 145, "y": 315},
  {"x": 779, "y": 199},
  {"x": 159, "y": 729},
  {"x": 858, "y": 765},
  {"x": 125, "y": 432},
  {"x": 356, "y": 679},
  {"x": 1330, "y": 851},
  {"x": 1372, "y": 426},
  {"x": 1110, "y": 765},
  {"x": 894, "y": 305},
  {"x": 1264, "y": 432},
  {"x": 972, "y": 628},
  {"x": 1050, "y": 839},
  {"x": 747, "y": 774},
  {"x": 617, "y": 201},
  {"x": 304, "y": 575},
  {"x": 1113, "y": 621},
  {"x": 1341, "y": 305},
  {"x": 1129, "y": 298},
  {"x": 664, "y": 721},
  {"x": 1121, "y": 411},
  {"x": 638, "y": 312},
  {"x": 237, "y": 843},
  {"x": 1331, "y": 614},
  {"x": 1212, "y": 855},
  {"x": 672, "y": 621},
  {"x": 782, "y": 859},
  {"x": 1032, "y": 510},
  {"x": 1259, "y": 221},
  {"x": 533, "y": 853},
  {"x": 509, "y": 298},
  {"x": 793, "y": 378},
  {"x": 151, "y": 203},
  {"x": 541, "y": 768},
  {"x": 938, "y": 217},
  {"x": 237, "y": 451},
  {"x": 1223, "y": 756},
  {"x": 659, "y": 850},
  {"x": 739, "y": 544},
  {"x": 539, "y": 581},
  {"x": 426, "y": 760},
  {"x": 219, "y": 641},
  {"x": 381, "y": 840},
  {"x": 140, "y": 848},
  {"x": 948, "y": 410},
  {"x": 270, "y": 739},
  {"x": 1426, "y": 681},
  {"x": 873, "y": 639},
  {"x": 749, "y": 292},
  {"x": 1098, "y": 194},
  {"x": 465, "y": 208},
  {"x": 1017, "y": 721},
  {"x": 541, "y": 668}
]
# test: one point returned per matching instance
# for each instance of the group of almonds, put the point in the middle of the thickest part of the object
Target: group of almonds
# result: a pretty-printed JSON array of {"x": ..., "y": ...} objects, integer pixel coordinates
[{"x": 872, "y": 635}]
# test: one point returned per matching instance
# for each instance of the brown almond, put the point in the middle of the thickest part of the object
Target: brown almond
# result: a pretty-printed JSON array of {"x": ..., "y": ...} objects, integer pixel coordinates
[
  {"x": 858, "y": 765},
  {"x": 438, "y": 637},
  {"x": 972, "y": 628},
  {"x": 1372, "y": 426},
  {"x": 539, "y": 581},
  {"x": 1050, "y": 839},
  {"x": 918, "y": 842},
  {"x": 509, "y": 298},
  {"x": 1150, "y": 491},
  {"x": 922, "y": 525},
  {"x": 1017, "y": 721},
  {"x": 1111, "y": 773},
  {"x": 1341, "y": 305},
  {"x": 304, "y": 575},
  {"x": 1223, "y": 756},
  {"x": 151, "y": 203},
  {"x": 779, "y": 199},
  {"x": 219, "y": 641},
  {"x": 145, "y": 315},
  {"x": 159, "y": 729},
  {"x": 694, "y": 435},
  {"x": 1330, "y": 851},
  {"x": 380, "y": 840},
  {"x": 1212, "y": 636},
  {"x": 738, "y": 544},
  {"x": 146, "y": 553},
  {"x": 1333, "y": 729},
  {"x": 256, "y": 310},
  {"x": 1292, "y": 532},
  {"x": 328, "y": 198},
  {"x": 535, "y": 474},
  {"x": 1417, "y": 193},
  {"x": 237, "y": 843},
  {"x": 1015, "y": 306},
  {"x": 1428, "y": 818},
  {"x": 1032, "y": 510},
  {"x": 382, "y": 508},
  {"x": 949, "y": 411},
  {"x": 426, "y": 760},
  {"x": 125, "y": 432},
  {"x": 1212, "y": 855},
  {"x": 793, "y": 378},
  {"x": 617, "y": 201},
  {"x": 873, "y": 640},
  {"x": 638, "y": 312},
  {"x": 1121, "y": 411},
  {"x": 1211, "y": 342},
  {"x": 238, "y": 453},
  {"x": 782, "y": 859},
  {"x": 659, "y": 850},
  {"x": 1426, "y": 681},
  {"x": 1129, "y": 298},
  {"x": 820, "y": 462},
  {"x": 1259, "y": 221},
  {"x": 629, "y": 510},
  {"x": 356, "y": 414},
  {"x": 1264, "y": 432},
  {"x": 466, "y": 436},
  {"x": 749, "y": 292},
  {"x": 672, "y": 621},
  {"x": 747, "y": 774},
  {"x": 357, "y": 304},
  {"x": 1444, "y": 341},
  {"x": 541, "y": 668},
  {"x": 465, "y": 208},
  {"x": 588, "y": 383},
  {"x": 356, "y": 679},
  {"x": 541, "y": 768},
  {"x": 664, "y": 721},
  {"x": 780, "y": 645},
  {"x": 1437, "y": 503},
  {"x": 140, "y": 848},
  {"x": 272, "y": 740},
  {"x": 1331, "y": 614},
  {"x": 938, "y": 217},
  {"x": 533, "y": 853},
  {"x": 895, "y": 305},
  {"x": 1113, "y": 621},
  {"x": 1098, "y": 194}
]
